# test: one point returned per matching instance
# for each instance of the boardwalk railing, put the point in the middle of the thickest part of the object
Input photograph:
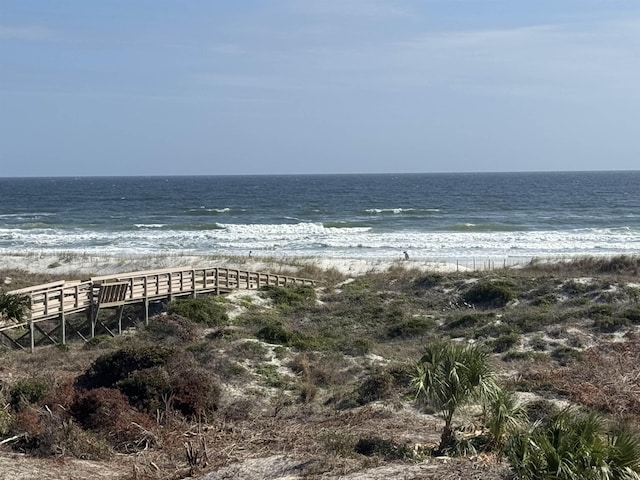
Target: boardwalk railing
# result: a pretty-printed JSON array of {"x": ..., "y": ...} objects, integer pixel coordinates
[{"x": 56, "y": 300}]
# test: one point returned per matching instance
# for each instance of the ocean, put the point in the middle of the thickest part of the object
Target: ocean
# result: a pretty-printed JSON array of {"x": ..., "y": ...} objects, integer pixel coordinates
[{"x": 499, "y": 217}]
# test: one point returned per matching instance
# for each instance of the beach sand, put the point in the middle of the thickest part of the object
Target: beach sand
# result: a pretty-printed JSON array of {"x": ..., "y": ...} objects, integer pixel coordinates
[{"x": 82, "y": 265}]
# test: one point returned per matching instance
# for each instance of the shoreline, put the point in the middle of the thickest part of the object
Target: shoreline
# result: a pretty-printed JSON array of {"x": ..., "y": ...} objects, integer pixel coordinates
[
  {"x": 72, "y": 263},
  {"x": 84, "y": 264}
]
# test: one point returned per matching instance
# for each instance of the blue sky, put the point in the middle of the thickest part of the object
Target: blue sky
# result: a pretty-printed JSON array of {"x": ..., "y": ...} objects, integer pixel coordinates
[{"x": 198, "y": 87}]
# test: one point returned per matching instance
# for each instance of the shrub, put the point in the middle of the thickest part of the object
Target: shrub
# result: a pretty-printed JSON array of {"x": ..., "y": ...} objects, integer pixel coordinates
[
  {"x": 411, "y": 328},
  {"x": 107, "y": 412},
  {"x": 14, "y": 307},
  {"x": 291, "y": 297},
  {"x": 505, "y": 342},
  {"x": 573, "y": 446},
  {"x": 377, "y": 386},
  {"x": 506, "y": 415},
  {"x": 355, "y": 348},
  {"x": 250, "y": 350},
  {"x": 633, "y": 315},
  {"x": 271, "y": 376},
  {"x": 45, "y": 433},
  {"x": 382, "y": 447},
  {"x": 538, "y": 344},
  {"x": 195, "y": 391},
  {"x": 619, "y": 264},
  {"x": 276, "y": 333},
  {"x": 468, "y": 320},
  {"x": 574, "y": 287},
  {"x": 565, "y": 355},
  {"x": 426, "y": 281},
  {"x": 145, "y": 389},
  {"x": 111, "y": 368},
  {"x": 339, "y": 443},
  {"x": 541, "y": 411},
  {"x": 169, "y": 328},
  {"x": 517, "y": 356},
  {"x": 5, "y": 420},
  {"x": 28, "y": 391},
  {"x": 205, "y": 310},
  {"x": 610, "y": 324},
  {"x": 490, "y": 293}
]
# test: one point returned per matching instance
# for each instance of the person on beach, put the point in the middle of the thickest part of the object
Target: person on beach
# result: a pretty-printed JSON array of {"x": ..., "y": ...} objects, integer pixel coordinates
[{"x": 406, "y": 255}]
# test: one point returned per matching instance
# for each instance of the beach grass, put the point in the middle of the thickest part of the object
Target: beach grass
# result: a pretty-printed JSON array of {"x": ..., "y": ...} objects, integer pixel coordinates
[{"x": 325, "y": 373}]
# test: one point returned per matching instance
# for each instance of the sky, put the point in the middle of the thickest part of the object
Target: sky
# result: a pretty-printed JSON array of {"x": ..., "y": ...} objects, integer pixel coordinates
[{"x": 213, "y": 87}]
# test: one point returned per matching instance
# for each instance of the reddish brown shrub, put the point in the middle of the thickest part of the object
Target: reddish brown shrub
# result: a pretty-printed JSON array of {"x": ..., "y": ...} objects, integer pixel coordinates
[
  {"x": 608, "y": 378},
  {"x": 195, "y": 392},
  {"x": 106, "y": 411}
]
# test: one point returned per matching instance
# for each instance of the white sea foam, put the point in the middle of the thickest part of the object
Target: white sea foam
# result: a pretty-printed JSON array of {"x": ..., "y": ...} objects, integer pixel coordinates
[
  {"x": 311, "y": 239},
  {"x": 400, "y": 210}
]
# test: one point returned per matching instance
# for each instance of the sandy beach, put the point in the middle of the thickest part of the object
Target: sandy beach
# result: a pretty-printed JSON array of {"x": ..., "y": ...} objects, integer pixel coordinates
[{"x": 81, "y": 265}]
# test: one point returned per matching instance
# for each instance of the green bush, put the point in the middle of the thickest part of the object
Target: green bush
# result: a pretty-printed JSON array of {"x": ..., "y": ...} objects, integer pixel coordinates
[
  {"x": 355, "y": 348},
  {"x": 146, "y": 389},
  {"x": 426, "y": 281},
  {"x": 565, "y": 355},
  {"x": 574, "y": 287},
  {"x": 277, "y": 333},
  {"x": 171, "y": 328},
  {"x": 208, "y": 311},
  {"x": 600, "y": 310},
  {"x": 111, "y": 368},
  {"x": 467, "y": 320},
  {"x": 291, "y": 297},
  {"x": 505, "y": 342},
  {"x": 28, "y": 391},
  {"x": 572, "y": 446},
  {"x": 488, "y": 293},
  {"x": 633, "y": 315},
  {"x": 411, "y": 328},
  {"x": 14, "y": 307},
  {"x": 610, "y": 324}
]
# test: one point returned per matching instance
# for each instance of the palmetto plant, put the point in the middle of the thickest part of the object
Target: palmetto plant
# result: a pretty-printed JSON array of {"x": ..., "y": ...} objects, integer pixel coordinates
[
  {"x": 574, "y": 446},
  {"x": 450, "y": 375},
  {"x": 505, "y": 416},
  {"x": 14, "y": 307}
]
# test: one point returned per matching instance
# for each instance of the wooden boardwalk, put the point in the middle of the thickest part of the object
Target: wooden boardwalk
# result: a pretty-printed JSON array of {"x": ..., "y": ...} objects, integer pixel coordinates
[{"x": 53, "y": 303}]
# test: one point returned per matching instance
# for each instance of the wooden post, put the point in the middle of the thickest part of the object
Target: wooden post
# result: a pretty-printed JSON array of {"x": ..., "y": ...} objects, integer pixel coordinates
[
  {"x": 32, "y": 335},
  {"x": 63, "y": 326},
  {"x": 120, "y": 311},
  {"x": 94, "y": 315},
  {"x": 93, "y": 312}
]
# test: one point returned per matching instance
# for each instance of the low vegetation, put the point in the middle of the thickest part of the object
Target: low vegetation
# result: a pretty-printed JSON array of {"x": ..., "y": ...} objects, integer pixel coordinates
[{"x": 535, "y": 369}]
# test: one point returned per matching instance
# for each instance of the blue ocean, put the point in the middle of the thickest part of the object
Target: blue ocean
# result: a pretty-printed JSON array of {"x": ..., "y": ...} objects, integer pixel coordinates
[{"x": 510, "y": 217}]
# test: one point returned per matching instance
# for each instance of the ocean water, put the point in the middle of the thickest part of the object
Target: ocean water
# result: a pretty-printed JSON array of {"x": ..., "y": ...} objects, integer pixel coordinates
[{"x": 510, "y": 217}]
